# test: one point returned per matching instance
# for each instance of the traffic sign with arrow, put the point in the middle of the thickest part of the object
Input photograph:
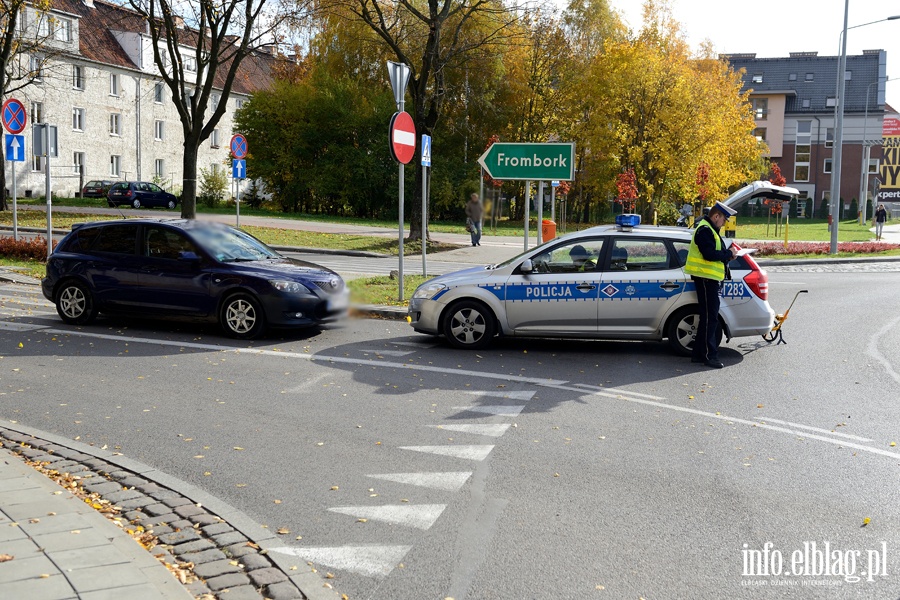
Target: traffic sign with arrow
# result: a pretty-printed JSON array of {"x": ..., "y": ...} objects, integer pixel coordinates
[
  {"x": 15, "y": 148},
  {"x": 530, "y": 162}
]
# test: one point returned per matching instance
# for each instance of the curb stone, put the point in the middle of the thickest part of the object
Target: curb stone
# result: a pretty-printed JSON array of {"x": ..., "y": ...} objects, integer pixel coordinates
[{"x": 243, "y": 541}]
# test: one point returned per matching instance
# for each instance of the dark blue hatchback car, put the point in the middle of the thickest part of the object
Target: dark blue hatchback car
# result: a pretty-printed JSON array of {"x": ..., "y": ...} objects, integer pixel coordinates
[{"x": 187, "y": 269}]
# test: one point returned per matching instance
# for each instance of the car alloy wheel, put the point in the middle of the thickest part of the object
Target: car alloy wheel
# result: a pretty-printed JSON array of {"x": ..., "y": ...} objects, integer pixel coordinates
[
  {"x": 469, "y": 324},
  {"x": 171, "y": 204},
  {"x": 242, "y": 317},
  {"x": 75, "y": 304},
  {"x": 136, "y": 203},
  {"x": 683, "y": 330}
]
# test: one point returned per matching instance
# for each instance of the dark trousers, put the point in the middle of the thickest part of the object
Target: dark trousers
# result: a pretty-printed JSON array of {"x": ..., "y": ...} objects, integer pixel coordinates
[{"x": 706, "y": 344}]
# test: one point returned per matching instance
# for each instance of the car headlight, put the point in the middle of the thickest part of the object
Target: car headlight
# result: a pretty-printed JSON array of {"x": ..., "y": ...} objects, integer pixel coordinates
[
  {"x": 291, "y": 287},
  {"x": 429, "y": 290}
]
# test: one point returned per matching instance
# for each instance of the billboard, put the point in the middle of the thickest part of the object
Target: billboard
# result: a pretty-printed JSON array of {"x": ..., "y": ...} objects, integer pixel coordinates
[{"x": 890, "y": 163}]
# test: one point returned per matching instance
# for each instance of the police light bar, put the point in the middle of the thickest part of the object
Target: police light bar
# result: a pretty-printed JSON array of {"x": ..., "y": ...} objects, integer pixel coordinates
[{"x": 628, "y": 220}]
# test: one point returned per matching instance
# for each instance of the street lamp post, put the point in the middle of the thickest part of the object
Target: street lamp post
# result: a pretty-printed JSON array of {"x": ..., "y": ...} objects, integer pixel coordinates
[{"x": 839, "y": 126}]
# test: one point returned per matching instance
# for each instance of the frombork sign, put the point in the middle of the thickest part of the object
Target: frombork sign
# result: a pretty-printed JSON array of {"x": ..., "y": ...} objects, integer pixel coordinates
[
  {"x": 890, "y": 164},
  {"x": 550, "y": 161}
]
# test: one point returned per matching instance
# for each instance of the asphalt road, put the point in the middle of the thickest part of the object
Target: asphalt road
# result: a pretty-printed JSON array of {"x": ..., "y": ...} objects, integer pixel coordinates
[{"x": 532, "y": 469}]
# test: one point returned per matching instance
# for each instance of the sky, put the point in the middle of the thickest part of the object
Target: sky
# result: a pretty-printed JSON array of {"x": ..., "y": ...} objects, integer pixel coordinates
[{"x": 773, "y": 28}]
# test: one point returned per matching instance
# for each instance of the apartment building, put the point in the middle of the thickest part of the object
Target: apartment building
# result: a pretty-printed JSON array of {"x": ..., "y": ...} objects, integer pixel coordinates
[
  {"x": 793, "y": 101},
  {"x": 114, "y": 116}
]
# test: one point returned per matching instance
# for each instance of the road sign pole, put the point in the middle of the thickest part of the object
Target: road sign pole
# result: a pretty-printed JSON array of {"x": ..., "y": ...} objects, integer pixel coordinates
[
  {"x": 237, "y": 205},
  {"x": 540, "y": 218},
  {"x": 15, "y": 208},
  {"x": 424, "y": 217},
  {"x": 527, "y": 209},
  {"x": 49, "y": 192}
]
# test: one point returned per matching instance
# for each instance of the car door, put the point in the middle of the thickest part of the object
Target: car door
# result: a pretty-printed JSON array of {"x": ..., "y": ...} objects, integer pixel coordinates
[
  {"x": 642, "y": 283},
  {"x": 114, "y": 265},
  {"x": 155, "y": 195},
  {"x": 560, "y": 295},
  {"x": 172, "y": 284}
]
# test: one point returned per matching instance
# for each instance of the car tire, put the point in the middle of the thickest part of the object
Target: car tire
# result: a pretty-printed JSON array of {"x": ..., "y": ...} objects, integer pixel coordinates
[
  {"x": 682, "y": 330},
  {"x": 469, "y": 324},
  {"x": 136, "y": 203},
  {"x": 111, "y": 204},
  {"x": 171, "y": 204},
  {"x": 241, "y": 317},
  {"x": 75, "y": 303}
]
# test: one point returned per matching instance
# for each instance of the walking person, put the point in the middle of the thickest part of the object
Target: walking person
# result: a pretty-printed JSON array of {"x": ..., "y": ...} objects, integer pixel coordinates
[
  {"x": 706, "y": 264},
  {"x": 474, "y": 212},
  {"x": 880, "y": 220}
]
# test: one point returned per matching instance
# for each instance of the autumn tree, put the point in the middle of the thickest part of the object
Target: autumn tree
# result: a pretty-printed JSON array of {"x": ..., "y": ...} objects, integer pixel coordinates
[{"x": 207, "y": 53}]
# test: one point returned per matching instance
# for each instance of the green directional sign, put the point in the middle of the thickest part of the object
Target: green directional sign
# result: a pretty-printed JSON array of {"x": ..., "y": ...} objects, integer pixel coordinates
[{"x": 548, "y": 161}]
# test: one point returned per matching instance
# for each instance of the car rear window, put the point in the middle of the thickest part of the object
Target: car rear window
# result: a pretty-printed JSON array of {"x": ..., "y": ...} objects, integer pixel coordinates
[{"x": 115, "y": 239}]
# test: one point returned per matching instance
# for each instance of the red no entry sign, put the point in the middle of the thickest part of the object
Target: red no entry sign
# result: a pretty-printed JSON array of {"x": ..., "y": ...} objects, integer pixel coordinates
[
  {"x": 13, "y": 116},
  {"x": 403, "y": 137}
]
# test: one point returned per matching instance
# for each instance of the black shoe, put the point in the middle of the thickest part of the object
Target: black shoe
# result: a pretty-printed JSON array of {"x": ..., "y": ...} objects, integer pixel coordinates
[{"x": 715, "y": 364}]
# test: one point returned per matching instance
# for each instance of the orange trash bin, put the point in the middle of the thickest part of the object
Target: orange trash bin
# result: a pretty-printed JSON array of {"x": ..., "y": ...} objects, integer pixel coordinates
[{"x": 548, "y": 230}]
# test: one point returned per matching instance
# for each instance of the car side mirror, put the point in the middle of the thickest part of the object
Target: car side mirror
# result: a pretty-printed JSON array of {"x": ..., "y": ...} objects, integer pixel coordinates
[{"x": 527, "y": 266}]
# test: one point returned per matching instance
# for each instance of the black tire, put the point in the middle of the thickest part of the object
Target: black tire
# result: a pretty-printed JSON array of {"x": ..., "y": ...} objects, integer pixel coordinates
[
  {"x": 241, "y": 317},
  {"x": 682, "y": 329},
  {"x": 111, "y": 204},
  {"x": 75, "y": 303},
  {"x": 171, "y": 204},
  {"x": 136, "y": 203},
  {"x": 469, "y": 324}
]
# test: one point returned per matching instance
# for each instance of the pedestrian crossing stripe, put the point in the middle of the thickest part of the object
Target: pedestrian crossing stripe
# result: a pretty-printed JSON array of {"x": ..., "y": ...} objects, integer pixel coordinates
[
  {"x": 523, "y": 396},
  {"x": 450, "y": 481},
  {"x": 368, "y": 560},
  {"x": 420, "y": 516},
  {"x": 491, "y": 430},
  {"x": 472, "y": 452}
]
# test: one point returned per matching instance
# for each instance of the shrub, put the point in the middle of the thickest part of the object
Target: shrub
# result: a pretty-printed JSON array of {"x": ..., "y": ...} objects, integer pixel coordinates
[
  {"x": 213, "y": 185},
  {"x": 32, "y": 249},
  {"x": 770, "y": 248}
]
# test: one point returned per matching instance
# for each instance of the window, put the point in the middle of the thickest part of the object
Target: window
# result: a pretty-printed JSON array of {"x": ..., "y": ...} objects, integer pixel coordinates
[
  {"x": 802, "y": 151},
  {"x": 115, "y": 124},
  {"x": 829, "y": 137},
  {"x": 37, "y": 163},
  {"x": 117, "y": 239},
  {"x": 830, "y": 101},
  {"x": 639, "y": 255},
  {"x": 757, "y": 78},
  {"x": 760, "y": 134},
  {"x": 848, "y": 75},
  {"x": 873, "y": 165},
  {"x": 115, "y": 165},
  {"x": 158, "y": 93},
  {"x": 805, "y": 104},
  {"x": 827, "y": 167},
  {"x": 570, "y": 258},
  {"x": 43, "y": 26},
  {"x": 62, "y": 30},
  {"x": 238, "y": 103},
  {"x": 77, "y": 77},
  {"x": 215, "y": 101},
  {"x": 159, "y": 130},
  {"x": 214, "y": 138},
  {"x": 159, "y": 168},
  {"x": 78, "y": 119},
  {"x": 37, "y": 112},
  {"x": 792, "y": 77},
  {"x": 78, "y": 162},
  {"x": 113, "y": 84},
  {"x": 760, "y": 108},
  {"x": 37, "y": 74},
  {"x": 190, "y": 64}
]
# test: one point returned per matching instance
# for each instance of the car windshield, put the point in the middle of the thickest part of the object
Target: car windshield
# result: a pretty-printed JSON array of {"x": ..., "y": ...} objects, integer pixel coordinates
[{"x": 231, "y": 245}]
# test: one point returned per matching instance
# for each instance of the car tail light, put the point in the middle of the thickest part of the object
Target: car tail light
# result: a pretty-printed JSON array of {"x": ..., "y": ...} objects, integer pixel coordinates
[
  {"x": 128, "y": 193},
  {"x": 757, "y": 280}
]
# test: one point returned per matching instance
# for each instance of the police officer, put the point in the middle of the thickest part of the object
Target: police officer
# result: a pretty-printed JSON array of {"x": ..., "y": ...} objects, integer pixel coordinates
[{"x": 706, "y": 262}]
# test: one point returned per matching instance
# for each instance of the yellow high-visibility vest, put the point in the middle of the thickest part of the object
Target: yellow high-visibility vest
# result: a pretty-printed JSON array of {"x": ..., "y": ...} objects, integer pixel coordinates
[{"x": 699, "y": 266}]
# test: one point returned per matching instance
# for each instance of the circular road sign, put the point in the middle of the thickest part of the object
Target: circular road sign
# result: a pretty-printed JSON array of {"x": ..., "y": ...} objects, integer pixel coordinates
[
  {"x": 238, "y": 146},
  {"x": 403, "y": 137},
  {"x": 14, "y": 116}
]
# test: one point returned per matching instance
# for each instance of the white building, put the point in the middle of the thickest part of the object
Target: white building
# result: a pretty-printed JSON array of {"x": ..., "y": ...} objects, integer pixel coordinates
[{"x": 114, "y": 116}]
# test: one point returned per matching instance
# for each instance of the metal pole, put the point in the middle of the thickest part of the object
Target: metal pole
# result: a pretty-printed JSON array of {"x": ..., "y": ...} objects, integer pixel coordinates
[
  {"x": 424, "y": 218},
  {"x": 540, "y": 218},
  {"x": 838, "y": 135},
  {"x": 552, "y": 202},
  {"x": 481, "y": 197},
  {"x": 400, "y": 255},
  {"x": 237, "y": 204},
  {"x": 15, "y": 208},
  {"x": 49, "y": 193},
  {"x": 864, "y": 174},
  {"x": 527, "y": 210}
]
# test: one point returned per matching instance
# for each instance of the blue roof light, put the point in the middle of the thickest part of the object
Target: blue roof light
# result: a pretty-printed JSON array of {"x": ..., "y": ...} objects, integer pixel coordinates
[{"x": 628, "y": 220}]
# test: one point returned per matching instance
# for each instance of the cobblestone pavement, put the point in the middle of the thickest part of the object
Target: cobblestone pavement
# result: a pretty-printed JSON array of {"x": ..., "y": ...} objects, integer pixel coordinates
[{"x": 227, "y": 563}]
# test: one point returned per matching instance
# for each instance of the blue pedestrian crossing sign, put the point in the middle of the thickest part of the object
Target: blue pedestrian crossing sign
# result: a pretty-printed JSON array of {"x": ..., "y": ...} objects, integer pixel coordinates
[
  {"x": 426, "y": 150},
  {"x": 15, "y": 147},
  {"x": 238, "y": 168}
]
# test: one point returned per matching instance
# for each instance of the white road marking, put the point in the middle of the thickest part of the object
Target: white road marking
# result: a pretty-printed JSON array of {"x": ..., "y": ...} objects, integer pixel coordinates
[
  {"x": 423, "y": 345},
  {"x": 473, "y": 452},
  {"x": 420, "y": 516},
  {"x": 491, "y": 430},
  {"x": 524, "y": 395},
  {"x": 819, "y": 429},
  {"x": 9, "y": 326},
  {"x": 498, "y": 409},
  {"x": 371, "y": 561},
  {"x": 616, "y": 391},
  {"x": 387, "y": 352},
  {"x": 450, "y": 481}
]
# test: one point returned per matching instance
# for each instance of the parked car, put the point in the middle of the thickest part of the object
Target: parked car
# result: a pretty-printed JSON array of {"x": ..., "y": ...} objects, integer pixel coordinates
[
  {"x": 609, "y": 282},
  {"x": 140, "y": 194},
  {"x": 187, "y": 269},
  {"x": 96, "y": 188}
]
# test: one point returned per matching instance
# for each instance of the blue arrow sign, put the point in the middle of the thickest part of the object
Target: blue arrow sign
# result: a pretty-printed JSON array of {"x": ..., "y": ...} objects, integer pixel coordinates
[
  {"x": 15, "y": 147},
  {"x": 426, "y": 150},
  {"x": 238, "y": 168}
]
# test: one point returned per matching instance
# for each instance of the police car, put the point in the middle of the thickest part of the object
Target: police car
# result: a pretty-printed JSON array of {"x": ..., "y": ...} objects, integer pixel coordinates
[{"x": 623, "y": 281}]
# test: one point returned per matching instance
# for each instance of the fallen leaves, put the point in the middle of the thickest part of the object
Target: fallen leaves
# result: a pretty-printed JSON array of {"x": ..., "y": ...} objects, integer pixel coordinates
[{"x": 6, "y": 558}]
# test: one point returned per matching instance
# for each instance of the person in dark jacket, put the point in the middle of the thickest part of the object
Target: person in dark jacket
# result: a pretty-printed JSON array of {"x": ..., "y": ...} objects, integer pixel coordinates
[
  {"x": 880, "y": 220},
  {"x": 706, "y": 264},
  {"x": 474, "y": 212}
]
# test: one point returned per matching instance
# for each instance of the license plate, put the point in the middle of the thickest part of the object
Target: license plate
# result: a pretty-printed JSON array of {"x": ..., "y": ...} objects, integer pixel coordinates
[{"x": 339, "y": 302}]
